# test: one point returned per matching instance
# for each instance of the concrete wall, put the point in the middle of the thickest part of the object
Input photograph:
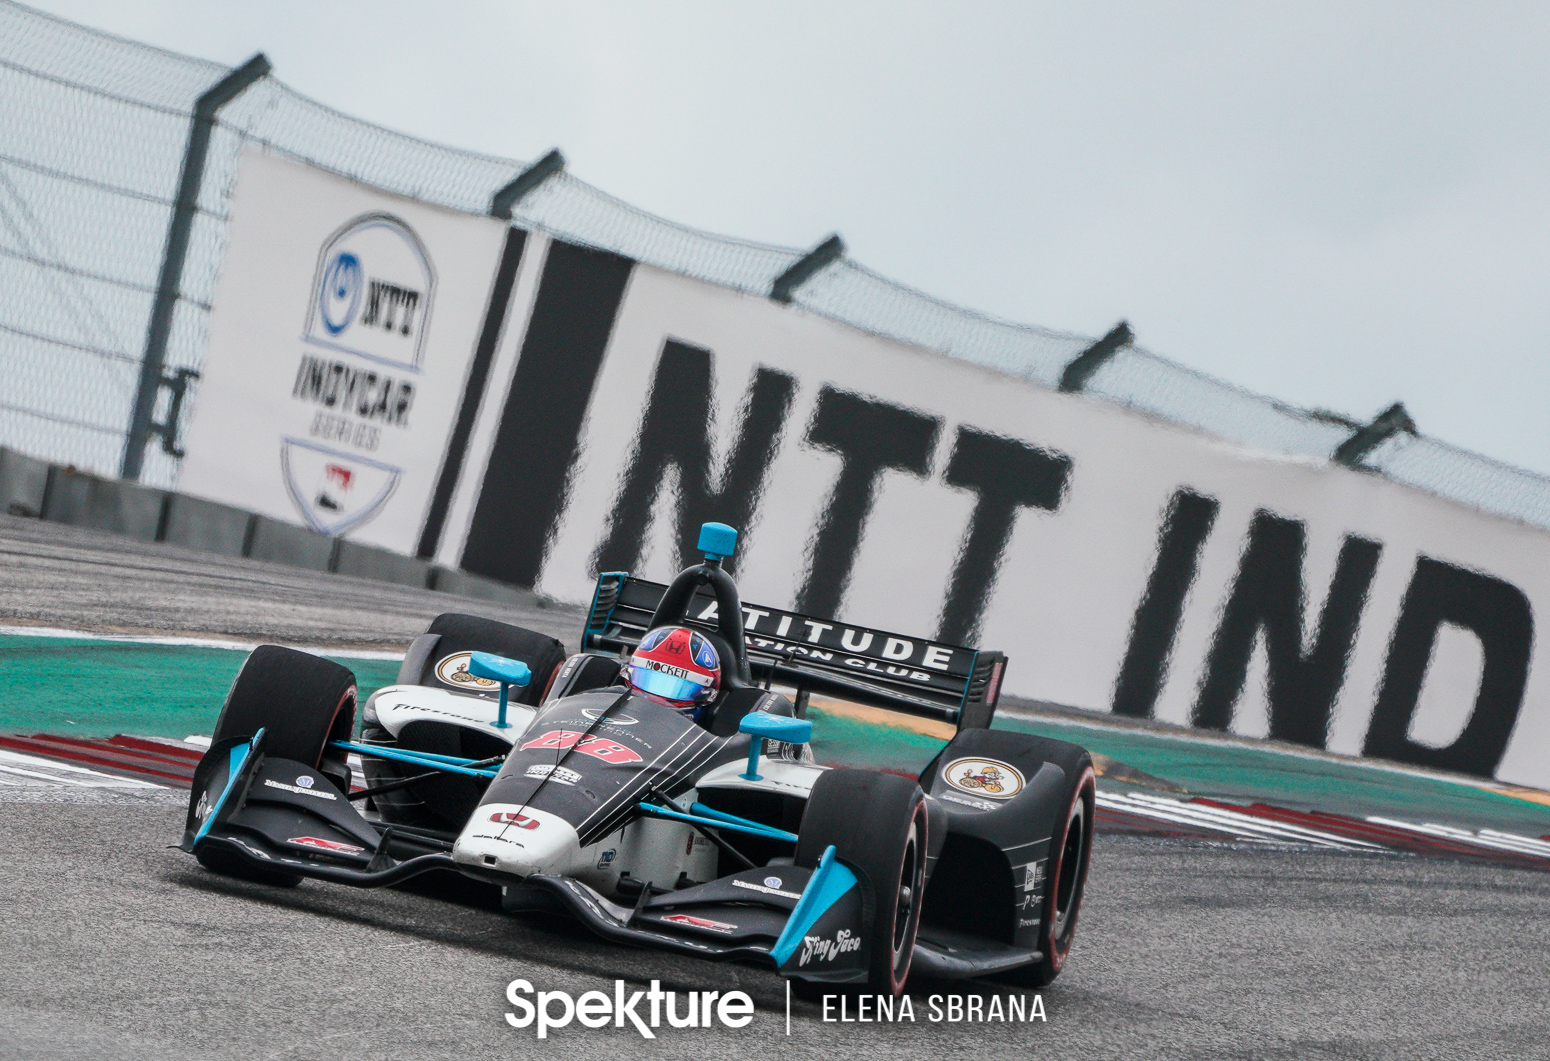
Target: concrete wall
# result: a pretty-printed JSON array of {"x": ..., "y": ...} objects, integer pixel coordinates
[{"x": 34, "y": 488}]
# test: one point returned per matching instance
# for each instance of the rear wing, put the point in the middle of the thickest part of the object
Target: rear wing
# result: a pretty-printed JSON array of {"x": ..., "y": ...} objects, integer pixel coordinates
[{"x": 950, "y": 683}]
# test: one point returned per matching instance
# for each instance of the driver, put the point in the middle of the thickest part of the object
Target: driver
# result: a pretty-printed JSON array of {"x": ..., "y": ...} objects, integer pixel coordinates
[{"x": 676, "y": 666}]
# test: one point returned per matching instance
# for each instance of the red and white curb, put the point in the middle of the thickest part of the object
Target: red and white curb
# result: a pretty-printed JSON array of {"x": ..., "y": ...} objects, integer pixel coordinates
[
  {"x": 31, "y": 772},
  {"x": 1203, "y": 818}
]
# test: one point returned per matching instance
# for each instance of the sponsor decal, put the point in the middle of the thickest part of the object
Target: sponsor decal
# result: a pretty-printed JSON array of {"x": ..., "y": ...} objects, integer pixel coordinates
[
  {"x": 305, "y": 781},
  {"x": 1032, "y": 876},
  {"x": 325, "y": 845},
  {"x": 606, "y": 858},
  {"x": 598, "y": 747},
  {"x": 835, "y": 642},
  {"x": 667, "y": 668},
  {"x": 977, "y": 804},
  {"x": 984, "y": 777},
  {"x": 453, "y": 670},
  {"x": 202, "y": 811},
  {"x": 771, "y": 886},
  {"x": 1027, "y": 922},
  {"x": 544, "y": 1010},
  {"x": 708, "y": 925},
  {"x": 298, "y": 789},
  {"x": 372, "y": 292},
  {"x": 521, "y": 821},
  {"x": 816, "y": 948},
  {"x": 558, "y": 774},
  {"x": 335, "y": 491},
  {"x": 617, "y": 720}
]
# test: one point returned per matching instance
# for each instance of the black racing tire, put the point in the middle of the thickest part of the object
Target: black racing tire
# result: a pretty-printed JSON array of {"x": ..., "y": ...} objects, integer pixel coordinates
[
  {"x": 473, "y": 633},
  {"x": 1071, "y": 847},
  {"x": 302, "y": 703},
  {"x": 445, "y": 801},
  {"x": 1068, "y": 819},
  {"x": 878, "y": 824}
]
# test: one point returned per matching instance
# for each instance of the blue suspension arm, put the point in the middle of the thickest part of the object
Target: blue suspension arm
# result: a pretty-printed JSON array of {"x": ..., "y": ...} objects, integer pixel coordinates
[{"x": 426, "y": 759}]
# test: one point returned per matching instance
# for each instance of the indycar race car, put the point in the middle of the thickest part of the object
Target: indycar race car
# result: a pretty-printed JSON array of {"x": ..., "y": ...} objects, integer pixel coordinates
[{"x": 581, "y": 787}]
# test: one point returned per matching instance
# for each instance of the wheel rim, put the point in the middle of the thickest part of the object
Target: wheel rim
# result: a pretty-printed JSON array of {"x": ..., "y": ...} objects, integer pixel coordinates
[
  {"x": 911, "y": 870},
  {"x": 1070, "y": 868}
]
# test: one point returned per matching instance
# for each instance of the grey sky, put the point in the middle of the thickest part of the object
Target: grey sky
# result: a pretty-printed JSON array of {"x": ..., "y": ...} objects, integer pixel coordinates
[{"x": 1336, "y": 204}]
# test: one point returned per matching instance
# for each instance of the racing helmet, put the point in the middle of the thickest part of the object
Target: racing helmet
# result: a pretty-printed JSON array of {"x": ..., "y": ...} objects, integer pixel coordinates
[{"x": 678, "y": 667}]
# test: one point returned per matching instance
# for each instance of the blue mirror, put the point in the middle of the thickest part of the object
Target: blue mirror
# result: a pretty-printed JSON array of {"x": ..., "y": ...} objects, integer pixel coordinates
[
  {"x": 717, "y": 541},
  {"x": 495, "y": 668},
  {"x": 776, "y": 727}
]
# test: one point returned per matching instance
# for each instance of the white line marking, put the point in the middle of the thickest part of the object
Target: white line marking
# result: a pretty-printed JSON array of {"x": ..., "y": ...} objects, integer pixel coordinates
[
  {"x": 1488, "y": 838},
  {"x": 193, "y": 642},
  {"x": 1245, "y": 826}
]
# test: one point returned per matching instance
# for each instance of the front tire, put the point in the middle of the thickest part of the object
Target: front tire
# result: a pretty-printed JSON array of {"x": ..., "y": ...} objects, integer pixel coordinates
[
  {"x": 302, "y": 703},
  {"x": 878, "y": 824}
]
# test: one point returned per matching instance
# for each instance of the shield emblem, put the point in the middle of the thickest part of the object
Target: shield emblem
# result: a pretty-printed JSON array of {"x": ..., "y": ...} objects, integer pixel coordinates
[{"x": 335, "y": 491}]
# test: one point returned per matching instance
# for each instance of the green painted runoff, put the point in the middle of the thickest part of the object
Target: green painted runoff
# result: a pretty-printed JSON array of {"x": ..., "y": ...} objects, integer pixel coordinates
[{"x": 80, "y": 687}]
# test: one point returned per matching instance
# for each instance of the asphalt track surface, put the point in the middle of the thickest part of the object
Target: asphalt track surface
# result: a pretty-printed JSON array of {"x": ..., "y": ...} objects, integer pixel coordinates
[
  {"x": 114, "y": 946},
  {"x": 55, "y": 575}
]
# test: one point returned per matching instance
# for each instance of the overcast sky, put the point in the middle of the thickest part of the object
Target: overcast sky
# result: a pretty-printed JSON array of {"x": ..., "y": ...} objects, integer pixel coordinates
[{"x": 1339, "y": 204}]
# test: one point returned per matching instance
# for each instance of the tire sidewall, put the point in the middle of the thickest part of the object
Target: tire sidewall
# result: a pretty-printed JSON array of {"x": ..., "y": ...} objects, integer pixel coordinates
[
  {"x": 1056, "y": 938},
  {"x": 887, "y": 963}
]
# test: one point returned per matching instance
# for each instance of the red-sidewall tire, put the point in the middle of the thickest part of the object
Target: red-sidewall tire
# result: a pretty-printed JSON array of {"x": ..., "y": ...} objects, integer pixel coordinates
[
  {"x": 879, "y": 824},
  {"x": 1070, "y": 857}
]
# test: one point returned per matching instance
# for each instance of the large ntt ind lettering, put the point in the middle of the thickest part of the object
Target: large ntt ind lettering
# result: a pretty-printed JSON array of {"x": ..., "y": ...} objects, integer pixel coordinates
[
  {"x": 675, "y": 432},
  {"x": 1267, "y": 600},
  {"x": 869, "y": 437},
  {"x": 1499, "y": 615}
]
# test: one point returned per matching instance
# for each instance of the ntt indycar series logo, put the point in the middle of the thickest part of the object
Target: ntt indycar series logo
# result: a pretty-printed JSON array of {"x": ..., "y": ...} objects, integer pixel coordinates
[
  {"x": 373, "y": 292},
  {"x": 651, "y": 1010}
]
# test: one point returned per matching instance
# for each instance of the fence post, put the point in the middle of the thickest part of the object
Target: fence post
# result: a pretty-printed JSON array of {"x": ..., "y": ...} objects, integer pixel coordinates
[
  {"x": 508, "y": 197},
  {"x": 183, "y": 211},
  {"x": 1364, "y": 440},
  {"x": 1089, "y": 361},
  {"x": 806, "y": 267}
]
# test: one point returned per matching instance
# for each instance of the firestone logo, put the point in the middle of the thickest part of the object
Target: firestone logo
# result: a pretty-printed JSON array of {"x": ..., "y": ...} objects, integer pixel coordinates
[{"x": 595, "y": 1009}]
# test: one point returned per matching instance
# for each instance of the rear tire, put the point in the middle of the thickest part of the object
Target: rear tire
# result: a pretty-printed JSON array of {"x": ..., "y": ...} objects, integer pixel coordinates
[
  {"x": 472, "y": 633},
  {"x": 878, "y": 823},
  {"x": 445, "y": 801},
  {"x": 1071, "y": 848}
]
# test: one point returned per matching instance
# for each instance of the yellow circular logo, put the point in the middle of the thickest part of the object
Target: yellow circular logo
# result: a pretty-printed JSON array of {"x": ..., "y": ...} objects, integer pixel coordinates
[
  {"x": 984, "y": 777},
  {"x": 454, "y": 671}
]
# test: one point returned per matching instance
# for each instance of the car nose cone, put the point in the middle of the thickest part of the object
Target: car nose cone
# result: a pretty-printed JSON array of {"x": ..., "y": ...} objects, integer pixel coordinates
[{"x": 521, "y": 841}]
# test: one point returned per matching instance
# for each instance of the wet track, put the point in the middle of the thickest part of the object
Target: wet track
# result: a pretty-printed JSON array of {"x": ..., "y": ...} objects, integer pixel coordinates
[{"x": 115, "y": 946}]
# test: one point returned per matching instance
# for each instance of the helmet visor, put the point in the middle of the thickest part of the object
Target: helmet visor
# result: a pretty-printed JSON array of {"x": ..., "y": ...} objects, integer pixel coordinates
[{"x": 667, "y": 686}]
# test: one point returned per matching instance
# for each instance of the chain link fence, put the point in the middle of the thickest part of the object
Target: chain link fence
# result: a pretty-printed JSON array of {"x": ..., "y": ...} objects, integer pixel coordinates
[{"x": 90, "y": 156}]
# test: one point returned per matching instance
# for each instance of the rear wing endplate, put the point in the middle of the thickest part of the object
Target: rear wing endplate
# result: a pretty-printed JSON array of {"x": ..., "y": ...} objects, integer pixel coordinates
[{"x": 951, "y": 683}]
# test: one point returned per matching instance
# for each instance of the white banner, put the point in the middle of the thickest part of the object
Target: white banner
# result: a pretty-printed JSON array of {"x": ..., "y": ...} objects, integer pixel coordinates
[
  {"x": 1124, "y": 564},
  {"x": 339, "y": 346}
]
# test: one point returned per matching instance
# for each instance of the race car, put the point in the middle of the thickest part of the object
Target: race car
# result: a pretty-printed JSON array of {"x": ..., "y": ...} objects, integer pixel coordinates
[{"x": 676, "y": 805}]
